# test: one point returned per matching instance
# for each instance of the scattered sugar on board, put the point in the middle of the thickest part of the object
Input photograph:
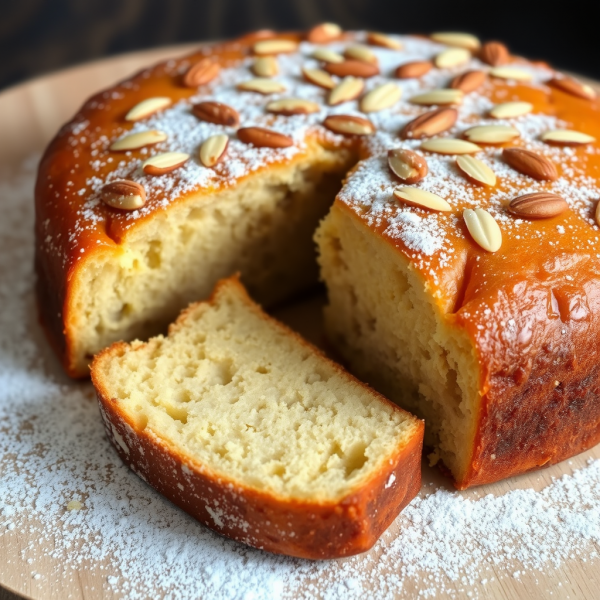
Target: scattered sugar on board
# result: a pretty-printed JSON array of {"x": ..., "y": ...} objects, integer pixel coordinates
[{"x": 65, "y": 493}]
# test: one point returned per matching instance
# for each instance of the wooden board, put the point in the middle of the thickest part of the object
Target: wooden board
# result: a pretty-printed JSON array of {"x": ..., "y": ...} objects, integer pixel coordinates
[{"x": 29, "y": 116}]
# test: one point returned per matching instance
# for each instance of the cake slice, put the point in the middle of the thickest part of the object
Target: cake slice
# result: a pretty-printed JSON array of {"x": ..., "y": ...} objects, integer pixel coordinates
[{"x": 254, "y": 432}]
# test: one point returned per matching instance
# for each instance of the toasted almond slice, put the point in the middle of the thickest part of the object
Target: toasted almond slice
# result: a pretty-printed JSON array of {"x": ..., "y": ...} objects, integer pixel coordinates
[
  {"x": 432, "y": 122},
  {"x": 385, "y": 41},
  {"x": 133, "y": 141},
  {"x": 416, "y": 68},
  {"x": 324, "y": 33},
  {"x": 574, "y": 87},
  {"x": 348, "y": 89},
  {"x": 469, "y": 81},
  {"x": 261, "y": 85},
  {"x": 164, "y": 163},
  {"x": 328, "y": 56},
  {"x": 510, "y": 73},
  {"x": 483, "y": 229},
  {"x": 264, "y": 138},
  {"x": 265, "y": 66},
  {"x": 147, "y": 107},
  {"x": 381, "y": 97},
  {"x": 406, "y": 165},
  {"x": 453, "y": 57},
  {"x": 421, "y": 199},
  {"x": 352, "y": 68},
  {"x": 510, "y": 110},
  {"x": 360, "y": 52},
  {"x": 461, "y": 40},
  {"x": 201, "y": 73},
  {"x": 567, "y": 137},
  {"x": 264, "y": 47},
  {"x": 494, "y": 54},
  {"x": 123, "y": 194},
  {"x": 293, "y": 106},
  {"x": 216, "y": 112},
  {"x": 349, "y": 125},
  {"x": 491, "y": 134},
  {"x": 450, "y": 146},
  {"x": 438, "y": 97},
  {"x": 476, "y": 170},
  {"x": 213, "y": 149},
  {"x": 319, "y": 77},
  {"x": 539, "y": 205}
]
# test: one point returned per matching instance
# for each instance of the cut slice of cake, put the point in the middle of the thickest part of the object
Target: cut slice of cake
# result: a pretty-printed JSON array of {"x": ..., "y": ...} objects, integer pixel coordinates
[{"x": 254, "y": 432}]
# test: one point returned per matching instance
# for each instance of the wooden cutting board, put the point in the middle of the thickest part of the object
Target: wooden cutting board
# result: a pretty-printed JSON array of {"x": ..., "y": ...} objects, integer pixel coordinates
[{"x": 30, "y": 114}]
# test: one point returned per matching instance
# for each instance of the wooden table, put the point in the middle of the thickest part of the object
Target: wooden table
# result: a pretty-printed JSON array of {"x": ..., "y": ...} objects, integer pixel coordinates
[{"x": 29, "y": 116}]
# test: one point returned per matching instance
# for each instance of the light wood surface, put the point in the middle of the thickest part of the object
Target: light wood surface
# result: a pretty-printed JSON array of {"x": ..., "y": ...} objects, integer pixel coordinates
[{"x": 30, "y": 114}]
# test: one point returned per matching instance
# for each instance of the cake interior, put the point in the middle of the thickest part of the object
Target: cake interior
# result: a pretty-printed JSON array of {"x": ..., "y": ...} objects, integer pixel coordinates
[{"x": 234, "y": 391}]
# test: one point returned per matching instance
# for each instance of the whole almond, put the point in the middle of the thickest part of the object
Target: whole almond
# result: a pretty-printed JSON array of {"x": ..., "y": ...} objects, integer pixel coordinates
[
  {"x": 385, "y": 41},
  {"x": 123, "y": 194},
  {"x": 408, "y": 166},
  {"x": 438, "y": 97},
  {"x": 293, "y": 106},
  {"x": 450, "y": 146},
  {"x": 352, "y": 68},
  {"x": 416, "y": 68},
  {"x": 494, "y": 54},
  {"x": 265, "y": 66},
  {"x": 476, "y": 170},
  {"x": 362, "y": 53},
  {"x": 597, "y": 213},
  {"x": 133, "y": 141},
  {"x": 147, "y": 107},
  {"x": 201, "y": 73},
  {"x": 510, "y": 73},
  {"x": 348, "y": 89},
  {"x": 274, "y": 46},
  {"x": 319, "y": 77},
  {"x": 530, "y": 163},
  {"x": 381, "y": 97},
  {"x": 453, "y": 38},
  {"x": 539, "y": 205},
  {"x": 327, "y": 56},
  {"x": 213, "y": 149},
  {"x": 510, "y": 110},
  {"x": 160, "y": 164},
  {"x": 324, "y": 33},
  {"x": 468, "y": 82},
  {"x": 264, "y": 138},
  {"x": 491, "y": 134},
  {"x": 421, "y": 199},
  {"x": 566, "y": 137},
  {"x": 216, "y": 112},
  {"x": 573, "y": 87},
  {"x": 261, "y": 85},
  {"x": 483, "y": 229},
  {"x": 430, "y": 123},
  {"x": 349, "y": 125},
  {"x": 453, "y": 57}
]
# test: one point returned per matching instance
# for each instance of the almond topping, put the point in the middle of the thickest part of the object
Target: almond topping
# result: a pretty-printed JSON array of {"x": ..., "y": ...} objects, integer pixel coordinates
[
  {"x": 265, "y": 47},
  {"x": 483, "y": 228},
  {"x": 494, "y": 54},
  {"x": 319, "y": 77},
  {"x": 476, "y": 170},
  {"x": 381, "y": 97},
  {"x": 597, "y": 213},
  {"x": 293, "y": 106},
  {"x": 530, "y": 163},
  {"x": 385, "y": 41},
  {"x": 349, "y": 125},
  {"x": 430, "y": 123},
  {"x": 421, "y": 199},
  {"x": 265, "y": 66},
  {"x": 406, "y": 165},
  {"x": 450, "y": 146},
  {"x": 213, "y": 149},
  {"x": 164, "y": 163},
  {"x": 413, "y": 69},
  {"x": 123, "y": 194},
  {"x": 567, "y": 137},
  {"x": 216, "y": 112},
  {"x": 509, "y": 110},
  {"x": 324, "y": 33},
  {"x": 360, "y": 52},
  {"x": 510, "y": 73},
  {"x": 491, "y": 134},
  {"x": 461, "y": 40},
  {"x": 468, "y": 82},
  {"x": 264, "y": 138},
  {"x": 438, "y": 97},
  {"x": 133, "y": 141},
  {"x": 573, "y": 87},
  {"x": 327, "y": 56},
  {"x": 453, "y": 57},
  {"x": 348, "y": 89},
  {"x": 540, "y": 205},
  {"x": 201, "y": 73},
  {"x": 147, "y": 107},
  {"x": 353, "y": 68},
  {"x": 260, "y": 85}
]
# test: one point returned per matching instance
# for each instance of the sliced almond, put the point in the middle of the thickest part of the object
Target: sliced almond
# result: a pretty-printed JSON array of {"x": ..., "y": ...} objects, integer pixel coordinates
[
  {"x": 264, "y": 138},
  {"x": 362, "y": 53},
  {"x": 328, "y": 56},
  {"x": 274, "y": 46},
  {"x": 494, "y": 54},
  {"x": 510, "y": 73},
  {"x": 133, "y": 141},
  {"x": 123, "y": 194},
  {"x": 461, "y": 40},
  {"x": 213, "y": 149},
  {"x": 265, "y": 66},
  {"x": 201, "y": 73},
  {"x": 438, "y": 97},
  {"x": 430, "y": 123},
  {"x": 491, "y": 134},
  {"x": 476, "y": 170},
  {"x": 349, "y": 125},
  {"x": 147, "y": 107},
  {"x": 164, "y": 163},
  {"x": 450, "y": 146},
  {"x": 319, "y": 77},
  {"x": 567, "y": 137},
  {"x": 530, "y": 163},
  {"x": 510, "y": 110},
  {"x": 216, "y": 112},
  {"x": 385, "y": 41},
  {"x": 574, "y": 87},
  {"x": 416, "y": 68},
  {"x": 453, "y": 57},
  {"x": 539, "y": 205},
  {"x": 421, "y": 199},
  {"x": 381, "y": 97},
  {"x": 406, "y": 165},
  {"x": 483, "y": 228},
  {"x": 348, "y": 89},
  {"x": 469, "y": 81},
  {"x": 261, "y": 85},
  {"x": 324, "y": 33},
  {"x": 293, "y": 106},
  {"x": 352, "y": 68}
]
